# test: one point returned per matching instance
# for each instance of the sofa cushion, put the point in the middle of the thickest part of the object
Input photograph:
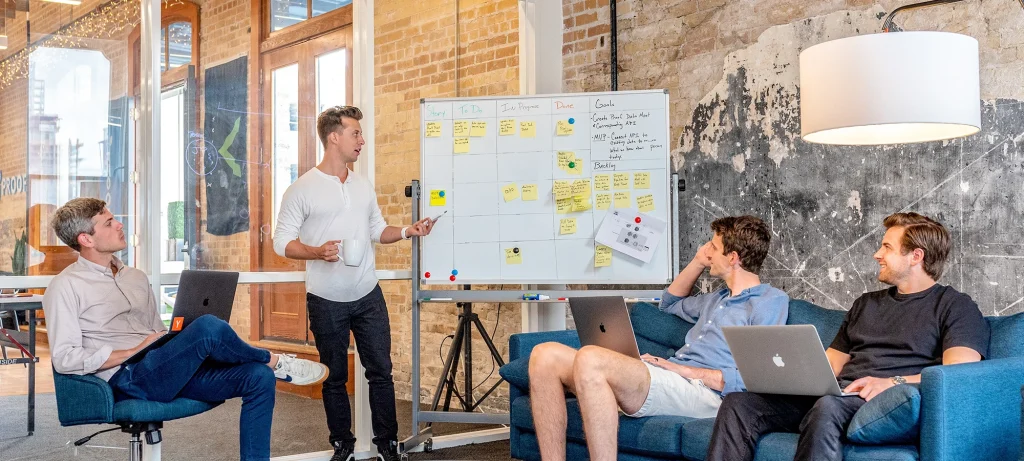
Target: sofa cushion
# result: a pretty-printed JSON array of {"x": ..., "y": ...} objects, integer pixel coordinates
[
  {"x": 516, "y": 373},
  {"x": 781, "y": 446},
  {"x": 655, "y": 435},
  {"x": 826, "y": 321},
  {"x": 894, "y": 416},
  {"x": 1007, "y": 336},
  {"x": 656, "y": 331}
]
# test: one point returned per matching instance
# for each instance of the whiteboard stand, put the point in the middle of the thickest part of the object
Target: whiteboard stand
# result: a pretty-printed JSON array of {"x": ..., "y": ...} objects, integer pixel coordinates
[{"x": 422, "y": 439}]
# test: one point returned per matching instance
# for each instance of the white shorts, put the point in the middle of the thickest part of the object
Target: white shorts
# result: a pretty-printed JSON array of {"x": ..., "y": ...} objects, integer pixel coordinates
[{"x": 674, "y": 395}]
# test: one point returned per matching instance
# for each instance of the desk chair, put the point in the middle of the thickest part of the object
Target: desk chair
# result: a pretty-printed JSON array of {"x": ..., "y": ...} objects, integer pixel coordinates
[{"x": 90, "y": 400}]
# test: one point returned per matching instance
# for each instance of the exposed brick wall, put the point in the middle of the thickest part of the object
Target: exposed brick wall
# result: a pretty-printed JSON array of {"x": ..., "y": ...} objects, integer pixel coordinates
[{"x": 415, "y": 58}]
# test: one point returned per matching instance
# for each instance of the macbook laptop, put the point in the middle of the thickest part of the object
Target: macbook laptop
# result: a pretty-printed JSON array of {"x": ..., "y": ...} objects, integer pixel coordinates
[
  {"x": 782, "y": 359},
  {"x": 604, "y": 321},
  {"x": 199, "y": 293}
]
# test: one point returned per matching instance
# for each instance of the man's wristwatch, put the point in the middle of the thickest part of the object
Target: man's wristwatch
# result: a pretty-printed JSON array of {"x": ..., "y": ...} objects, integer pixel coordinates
[
  {"x": 897, "y": 380},
  {"x": 404, "y": 237}
]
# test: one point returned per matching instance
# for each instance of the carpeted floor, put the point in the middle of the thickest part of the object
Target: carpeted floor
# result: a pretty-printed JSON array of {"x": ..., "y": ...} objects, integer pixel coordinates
[{"x": 299, "y": 427}]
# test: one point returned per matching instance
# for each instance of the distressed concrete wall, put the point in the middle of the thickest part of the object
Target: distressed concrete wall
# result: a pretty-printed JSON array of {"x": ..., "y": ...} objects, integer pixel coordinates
[{"x": 732, "y": 73}]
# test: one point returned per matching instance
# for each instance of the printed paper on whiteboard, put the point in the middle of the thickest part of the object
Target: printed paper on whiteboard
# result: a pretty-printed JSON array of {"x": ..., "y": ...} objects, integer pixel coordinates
[{"x": 621, "y": 231}]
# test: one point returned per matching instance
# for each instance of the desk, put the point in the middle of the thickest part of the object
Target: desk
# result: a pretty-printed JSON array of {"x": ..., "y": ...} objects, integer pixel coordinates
[{"x": 17, "y": 339}]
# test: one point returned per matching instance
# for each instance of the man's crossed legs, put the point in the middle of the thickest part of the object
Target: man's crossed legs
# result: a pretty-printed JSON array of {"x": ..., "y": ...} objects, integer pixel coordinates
[
  {"x": 208, "y": 362},
  {"x": 605, "y": 381}
]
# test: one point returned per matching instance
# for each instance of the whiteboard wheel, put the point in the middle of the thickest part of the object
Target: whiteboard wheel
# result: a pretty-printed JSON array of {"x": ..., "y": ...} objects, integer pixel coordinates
[
  {"x": 405, "y": 457},
  {"x": 428, "y": 445}
]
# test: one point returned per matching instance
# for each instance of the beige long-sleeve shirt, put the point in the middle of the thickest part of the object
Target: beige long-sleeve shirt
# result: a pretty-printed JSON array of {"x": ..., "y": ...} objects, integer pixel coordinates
[{"x": 90, "y": 313}]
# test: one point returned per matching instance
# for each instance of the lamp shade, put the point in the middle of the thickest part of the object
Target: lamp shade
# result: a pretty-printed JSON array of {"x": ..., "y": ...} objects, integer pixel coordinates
[{"x": 891, "y": 88}]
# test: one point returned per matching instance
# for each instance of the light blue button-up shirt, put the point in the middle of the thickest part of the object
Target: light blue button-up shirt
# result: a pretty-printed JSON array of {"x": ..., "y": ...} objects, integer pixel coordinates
[{"x": 705, "y": 344}]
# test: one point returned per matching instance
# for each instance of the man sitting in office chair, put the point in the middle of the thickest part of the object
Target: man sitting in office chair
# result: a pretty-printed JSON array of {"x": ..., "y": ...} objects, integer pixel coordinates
[
  {"x": 99, "y": 312},
  {"x": 692, "y": 382}
]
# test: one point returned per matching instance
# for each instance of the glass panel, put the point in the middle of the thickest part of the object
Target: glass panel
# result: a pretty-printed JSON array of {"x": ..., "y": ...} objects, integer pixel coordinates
[
  {"x": 163, "y": 49},
  {"x": 284, "y": 13},
  {"x": 180, "y": 46},
  {"x": 172, "y": 180},
  {"x": 78, "y": 146},
  {"x": 323, "y": 6},
  {"x": 285, "y": 142},
  {"x": 331, "y": 86}
]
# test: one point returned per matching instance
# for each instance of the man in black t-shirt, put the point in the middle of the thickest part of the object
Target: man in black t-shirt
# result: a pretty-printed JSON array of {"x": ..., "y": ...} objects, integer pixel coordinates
[{"x": 886, "y": 339}]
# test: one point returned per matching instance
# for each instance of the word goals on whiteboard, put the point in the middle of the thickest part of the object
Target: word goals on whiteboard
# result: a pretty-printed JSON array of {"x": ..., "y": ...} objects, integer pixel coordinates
[{"x": 523, "y": 183}]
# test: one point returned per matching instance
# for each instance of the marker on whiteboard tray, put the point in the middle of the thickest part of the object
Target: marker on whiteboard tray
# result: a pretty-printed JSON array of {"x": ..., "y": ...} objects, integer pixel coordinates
[
  {"x": 437, "y": 299},
  {"x": 642, "y": 300}
]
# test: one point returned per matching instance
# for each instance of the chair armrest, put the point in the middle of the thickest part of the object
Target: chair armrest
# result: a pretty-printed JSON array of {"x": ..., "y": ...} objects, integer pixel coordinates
[
  {"x": 521, "y": 344},
  {"x": 972, "y": 410},
  {"x": 83, "y": 399}
]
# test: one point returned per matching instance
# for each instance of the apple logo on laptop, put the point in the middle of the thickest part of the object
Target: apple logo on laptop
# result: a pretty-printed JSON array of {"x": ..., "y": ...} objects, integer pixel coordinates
[
  {"x": 206, "y": 302},
  {"x": 778, "y": 361},
  {"x": 601, "y": 326}
]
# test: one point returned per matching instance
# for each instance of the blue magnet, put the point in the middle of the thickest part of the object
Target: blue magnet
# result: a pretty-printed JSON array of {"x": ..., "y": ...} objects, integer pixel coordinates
[
  {"x": 440, "y": 194},
  {"x": 572, "y": 120},
  {"x": 455, "y": 272}
]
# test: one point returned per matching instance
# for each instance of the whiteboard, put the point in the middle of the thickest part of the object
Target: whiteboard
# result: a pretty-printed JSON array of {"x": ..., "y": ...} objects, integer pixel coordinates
[{"x": 483, "y": 159}]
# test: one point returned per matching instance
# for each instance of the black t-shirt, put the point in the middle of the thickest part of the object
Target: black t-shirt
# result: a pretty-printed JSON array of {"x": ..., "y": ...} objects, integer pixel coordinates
[{"x": 891, "y": 334}]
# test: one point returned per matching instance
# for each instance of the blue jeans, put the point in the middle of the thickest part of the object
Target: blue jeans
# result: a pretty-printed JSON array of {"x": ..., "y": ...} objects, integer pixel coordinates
[
  {"x": 208, "y": 362},
  {"x": 367, "y": 319}
]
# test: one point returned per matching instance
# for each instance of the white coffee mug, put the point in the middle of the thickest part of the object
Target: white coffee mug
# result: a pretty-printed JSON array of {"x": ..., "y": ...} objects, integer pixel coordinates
[{"x": 352, "y": 252}]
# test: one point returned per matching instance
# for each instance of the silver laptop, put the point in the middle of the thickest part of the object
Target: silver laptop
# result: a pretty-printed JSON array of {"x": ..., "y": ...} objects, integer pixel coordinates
[
  {"x": 604, "y": 321},
  {"x": 782, "y": 359}
]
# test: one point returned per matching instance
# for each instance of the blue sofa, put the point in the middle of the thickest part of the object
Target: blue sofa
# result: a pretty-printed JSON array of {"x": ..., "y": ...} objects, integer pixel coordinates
[{"x": 969, "y": 411}]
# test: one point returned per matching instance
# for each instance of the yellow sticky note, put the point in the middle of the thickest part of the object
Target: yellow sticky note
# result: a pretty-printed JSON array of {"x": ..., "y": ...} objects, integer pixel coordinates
[
  {"x": 602, "y": 182},
  {"x": 645, "y": 203},
  {"x": 602, "y": 256},
  {"x": 604, "y": 201},
  {"x": 622, "y": 200},
  {"x": 567, "y": 226},
  {"x": 478, "y": 129},
  {"x": 563, "y": 205},
  {"x": 562, "y": 189},
  {"x": 575, "y": 166},
  {"x": 507, "y": 127},
  {"x": 529, "y": 192},
  {"x": 511, "y": 192},
  {"x": 621, "y": 181},
  {"x": 513, "y": 256},
  {"x": 437, "y": 198},
  {"x": 433, "y": 129},
  {"x": 581, "y": 188},
  {"x": 461, "y": 145},
  {"x": 527, "y": 129},
  {"x": 564, "y": 157},
  {"x": 641, "y": 180},
  {"x": 563, "y": 128},
  {"x": 461, "y": 128},
  {"x": 580, "y": 203}
]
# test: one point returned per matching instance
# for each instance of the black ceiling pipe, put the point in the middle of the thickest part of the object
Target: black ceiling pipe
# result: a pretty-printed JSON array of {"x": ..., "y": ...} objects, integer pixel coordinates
[{"x": 614, "y": 45}]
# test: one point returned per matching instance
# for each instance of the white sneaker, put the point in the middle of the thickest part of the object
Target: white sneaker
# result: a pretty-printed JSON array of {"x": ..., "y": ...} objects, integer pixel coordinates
[{"x": 300, "y": 372}]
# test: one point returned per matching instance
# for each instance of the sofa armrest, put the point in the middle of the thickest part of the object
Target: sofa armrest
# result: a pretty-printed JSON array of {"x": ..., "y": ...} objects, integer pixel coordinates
[
  {"x": 520, "y": 344},
  {"x": 972, "y": 410},
  {"x": 83, "y": 399}
]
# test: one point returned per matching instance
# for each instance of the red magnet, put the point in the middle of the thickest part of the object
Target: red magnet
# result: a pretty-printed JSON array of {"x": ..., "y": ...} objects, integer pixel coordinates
[
  {"x": 452, "y": 278},
  {"x": 637, "y": 220},
  {"x": 427, "y": 275}
]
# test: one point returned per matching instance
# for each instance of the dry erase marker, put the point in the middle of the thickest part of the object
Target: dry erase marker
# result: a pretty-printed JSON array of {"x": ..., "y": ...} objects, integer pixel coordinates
[
  {"x": 437, "y": 299},
  {"x": 434, "y": 220}
]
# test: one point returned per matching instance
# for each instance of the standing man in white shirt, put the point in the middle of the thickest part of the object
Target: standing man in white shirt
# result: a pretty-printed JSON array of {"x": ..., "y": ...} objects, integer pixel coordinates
[{"x": 326, "y": 206}]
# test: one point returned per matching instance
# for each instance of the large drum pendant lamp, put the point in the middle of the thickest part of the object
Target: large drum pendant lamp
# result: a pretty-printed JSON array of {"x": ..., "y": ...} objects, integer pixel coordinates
[{"x": 890, "y": 88}]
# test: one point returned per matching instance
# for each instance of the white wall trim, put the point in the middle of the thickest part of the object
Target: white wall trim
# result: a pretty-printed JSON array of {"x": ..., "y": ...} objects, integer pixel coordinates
[{"x": 363, "y": 72}]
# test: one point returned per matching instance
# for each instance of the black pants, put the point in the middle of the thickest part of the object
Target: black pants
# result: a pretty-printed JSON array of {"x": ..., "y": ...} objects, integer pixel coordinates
[
  {"x": 744, "y": 417},
  {"x": 367, "y": 318}
]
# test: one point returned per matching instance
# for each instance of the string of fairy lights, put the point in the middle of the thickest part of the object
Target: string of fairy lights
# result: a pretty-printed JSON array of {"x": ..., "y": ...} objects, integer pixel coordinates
[{"x": 111, "y": 21}]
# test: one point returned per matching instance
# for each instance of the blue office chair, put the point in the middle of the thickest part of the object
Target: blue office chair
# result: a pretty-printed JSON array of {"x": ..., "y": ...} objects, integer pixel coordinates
[{"x": 90, "y": 400}]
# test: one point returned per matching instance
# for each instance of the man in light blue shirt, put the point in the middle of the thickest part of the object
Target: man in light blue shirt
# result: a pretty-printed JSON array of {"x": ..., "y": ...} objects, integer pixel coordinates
[{"x": 693, "y": 381}]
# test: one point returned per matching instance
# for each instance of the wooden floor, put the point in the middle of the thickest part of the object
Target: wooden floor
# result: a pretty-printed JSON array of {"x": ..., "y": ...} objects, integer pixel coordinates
[{"x": 14, "y": 378}]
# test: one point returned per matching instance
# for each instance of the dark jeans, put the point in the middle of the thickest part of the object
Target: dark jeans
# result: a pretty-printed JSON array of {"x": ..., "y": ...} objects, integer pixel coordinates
[
  {"x": 208, "y": 362},
  {"x": 744, "y": 417},
  {"x": 367, "y": 319}
]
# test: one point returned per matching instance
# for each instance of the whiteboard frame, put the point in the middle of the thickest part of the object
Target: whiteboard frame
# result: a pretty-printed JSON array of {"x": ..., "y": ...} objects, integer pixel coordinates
[{"x": 670, "y": 197}]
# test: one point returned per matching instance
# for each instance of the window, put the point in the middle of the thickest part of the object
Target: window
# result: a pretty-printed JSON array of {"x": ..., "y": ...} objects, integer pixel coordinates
[{"x": 284, "y": 13}]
